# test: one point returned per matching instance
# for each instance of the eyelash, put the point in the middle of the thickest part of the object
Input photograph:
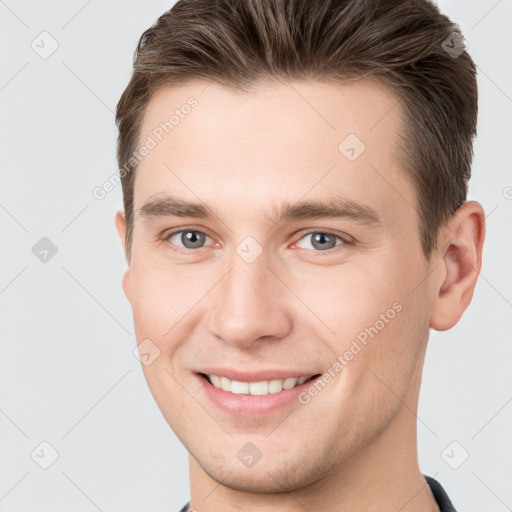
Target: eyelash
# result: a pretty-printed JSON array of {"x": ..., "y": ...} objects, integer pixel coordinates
[{"x": 315, "y": 253}]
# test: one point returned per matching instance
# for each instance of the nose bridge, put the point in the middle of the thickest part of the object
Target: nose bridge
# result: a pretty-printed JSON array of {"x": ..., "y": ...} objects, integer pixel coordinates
[{"x": 248, "y": 303}]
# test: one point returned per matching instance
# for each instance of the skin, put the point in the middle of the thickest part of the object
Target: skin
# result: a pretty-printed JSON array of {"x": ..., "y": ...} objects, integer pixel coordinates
[{"x": 353, "y": 446}]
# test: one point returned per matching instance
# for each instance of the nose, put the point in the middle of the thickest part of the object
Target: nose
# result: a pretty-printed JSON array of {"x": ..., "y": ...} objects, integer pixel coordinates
[{"x": 253, "y": 305}]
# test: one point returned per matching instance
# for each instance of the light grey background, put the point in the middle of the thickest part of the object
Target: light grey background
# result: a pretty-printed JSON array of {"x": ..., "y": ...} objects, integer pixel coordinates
[{"x": 68, "y": 374}]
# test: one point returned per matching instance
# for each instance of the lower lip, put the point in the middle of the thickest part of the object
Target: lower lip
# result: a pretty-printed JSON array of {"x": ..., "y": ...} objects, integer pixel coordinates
[{"x": 252, "y": 405}]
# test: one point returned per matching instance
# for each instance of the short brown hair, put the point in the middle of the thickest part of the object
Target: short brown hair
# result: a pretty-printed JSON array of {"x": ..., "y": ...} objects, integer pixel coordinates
[{"x": 405, "y": 43}]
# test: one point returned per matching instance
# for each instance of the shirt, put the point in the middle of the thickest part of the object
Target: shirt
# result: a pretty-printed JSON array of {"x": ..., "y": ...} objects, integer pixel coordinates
[{"x": 442, "y": 499}]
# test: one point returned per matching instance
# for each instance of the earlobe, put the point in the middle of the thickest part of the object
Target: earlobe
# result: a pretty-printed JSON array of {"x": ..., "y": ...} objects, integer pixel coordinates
[{"x": 460, "y": 261}]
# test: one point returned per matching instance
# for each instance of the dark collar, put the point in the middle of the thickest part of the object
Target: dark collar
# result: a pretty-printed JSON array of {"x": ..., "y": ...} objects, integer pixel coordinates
[{"x": 442, "y": 499}]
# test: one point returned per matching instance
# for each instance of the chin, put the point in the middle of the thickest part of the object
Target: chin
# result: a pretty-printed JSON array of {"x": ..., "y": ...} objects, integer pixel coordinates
[{"x": 273, "y": 475}]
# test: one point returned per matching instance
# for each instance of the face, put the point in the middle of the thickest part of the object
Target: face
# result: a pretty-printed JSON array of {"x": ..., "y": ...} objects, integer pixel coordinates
[{"x": 300, "y": 258}]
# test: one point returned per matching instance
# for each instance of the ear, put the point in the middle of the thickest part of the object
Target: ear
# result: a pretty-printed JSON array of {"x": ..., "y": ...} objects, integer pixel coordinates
[
  {"x": 459, "y": 260},
  {"x": 121, "y": 231}
]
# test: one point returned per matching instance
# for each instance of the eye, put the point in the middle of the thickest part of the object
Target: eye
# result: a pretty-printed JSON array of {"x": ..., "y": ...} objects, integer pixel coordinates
[
  {"x": 187, "y": 238},
  {"x": 322, "y": 241}
]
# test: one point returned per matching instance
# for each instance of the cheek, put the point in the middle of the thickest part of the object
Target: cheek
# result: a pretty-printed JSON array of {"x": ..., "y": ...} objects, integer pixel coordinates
[
  {"x": 371, "y": 319},
  {"x": 349, "y": 303},
  {"x": 161, "y": 299},
  {"x": 396, "y": 338}
]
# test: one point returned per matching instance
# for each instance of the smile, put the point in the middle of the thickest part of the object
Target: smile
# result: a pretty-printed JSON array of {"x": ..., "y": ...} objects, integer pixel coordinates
[{"x": 263, "y": 387}]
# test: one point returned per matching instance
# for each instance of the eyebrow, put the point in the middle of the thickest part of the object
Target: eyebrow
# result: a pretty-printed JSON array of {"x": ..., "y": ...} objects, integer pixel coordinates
[{"x": 333, "y": 207}]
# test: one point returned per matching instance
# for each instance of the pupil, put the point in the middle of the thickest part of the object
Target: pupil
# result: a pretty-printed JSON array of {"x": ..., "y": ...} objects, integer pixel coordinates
[
  {"x": 321, "y": 238},
  {"x": 192, "y": 239}
]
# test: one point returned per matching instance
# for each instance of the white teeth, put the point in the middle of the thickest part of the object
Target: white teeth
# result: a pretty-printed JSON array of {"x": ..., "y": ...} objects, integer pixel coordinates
[
  {"x": 263, "y": 387},
  {"x": 225, "y": 384},
  {"x": 216, "y": 381},
  {"x": 258, "y": 388},
  {"x": 290, "y": 382},
  {"x": 274, "y": 386},
  {"x": 239, "y": 388}
]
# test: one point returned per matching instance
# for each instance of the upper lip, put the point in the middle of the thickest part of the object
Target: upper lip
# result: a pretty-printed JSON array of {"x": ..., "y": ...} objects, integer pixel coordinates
[{"x": 247, "y": 376}]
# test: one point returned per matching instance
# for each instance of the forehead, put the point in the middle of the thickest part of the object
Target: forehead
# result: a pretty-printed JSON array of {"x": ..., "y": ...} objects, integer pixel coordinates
[{"x": 277, "y": 143}]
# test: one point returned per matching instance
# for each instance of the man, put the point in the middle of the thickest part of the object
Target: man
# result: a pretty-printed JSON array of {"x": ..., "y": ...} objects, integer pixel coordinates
[{"x": 295, "y": 222}]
